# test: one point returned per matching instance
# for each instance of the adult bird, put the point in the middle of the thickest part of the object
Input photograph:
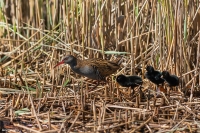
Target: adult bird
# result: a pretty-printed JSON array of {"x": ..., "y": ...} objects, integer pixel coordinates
[{"x": 94, "y": 68}]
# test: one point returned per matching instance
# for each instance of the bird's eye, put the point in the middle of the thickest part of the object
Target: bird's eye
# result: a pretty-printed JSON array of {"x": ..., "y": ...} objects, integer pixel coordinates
[{"x": 66, "y": 58}]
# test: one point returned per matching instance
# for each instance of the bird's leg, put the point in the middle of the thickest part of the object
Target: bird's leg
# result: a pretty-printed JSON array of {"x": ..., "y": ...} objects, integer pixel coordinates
[
  {"x": 171, "y": 88},
  {"x": 133, "y": 92},
  {"x": 157, "y": 91},
  {"x": 82, "y": 100},
  {"x": 149, "y": 93},
  {"x": 98, "y": 82},
  {"x": 139, "y": 97},
  {"x": 140, "y": 90},
  {"x": 94, "y": 86},
  {"x": 141, "y": 93},
  {"x": 168, "y": 90}
]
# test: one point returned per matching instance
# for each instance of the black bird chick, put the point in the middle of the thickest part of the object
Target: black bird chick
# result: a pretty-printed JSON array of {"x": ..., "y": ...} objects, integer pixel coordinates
[
  {"x": 172, "y": 80},
  {"x": 154, "y": 76},
  {"x": 2, "y": 128},
  {"x": 129, "y": 81}
]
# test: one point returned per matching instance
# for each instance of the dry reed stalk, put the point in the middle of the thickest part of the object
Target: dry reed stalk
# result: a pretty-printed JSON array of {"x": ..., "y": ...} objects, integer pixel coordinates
[{"x": 36, "y": 34}]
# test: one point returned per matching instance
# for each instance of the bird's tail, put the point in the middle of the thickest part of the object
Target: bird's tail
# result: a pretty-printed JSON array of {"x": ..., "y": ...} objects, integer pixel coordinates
[{"x": 118, "y": 60}]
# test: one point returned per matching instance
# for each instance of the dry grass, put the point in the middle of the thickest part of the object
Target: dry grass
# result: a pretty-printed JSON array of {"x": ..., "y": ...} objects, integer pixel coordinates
[{"x": 35, "y": 35}]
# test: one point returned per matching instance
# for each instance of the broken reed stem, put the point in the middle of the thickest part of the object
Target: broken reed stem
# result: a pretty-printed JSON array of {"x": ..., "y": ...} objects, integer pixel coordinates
[
  {"x": 73, "y": 122},
  {"x": 143, "y": 124}
]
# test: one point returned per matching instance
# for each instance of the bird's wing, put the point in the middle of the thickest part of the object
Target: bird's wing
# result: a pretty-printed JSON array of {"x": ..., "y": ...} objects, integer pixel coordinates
[
  {"x": 103, "y": 67},
  {"x": 158, "y": 75}
]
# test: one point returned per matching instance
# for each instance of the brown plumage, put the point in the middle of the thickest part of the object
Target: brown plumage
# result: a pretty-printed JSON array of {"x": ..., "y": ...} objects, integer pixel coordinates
[{"x": 94, "y": 68}]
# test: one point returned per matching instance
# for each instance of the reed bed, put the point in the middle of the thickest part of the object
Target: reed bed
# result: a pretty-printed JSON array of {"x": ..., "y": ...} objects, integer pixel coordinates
[{"x": 35, "y": 35}]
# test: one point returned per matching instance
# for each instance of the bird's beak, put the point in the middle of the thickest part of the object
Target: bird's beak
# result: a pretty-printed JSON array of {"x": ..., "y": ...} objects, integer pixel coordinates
[{"x": 62, "y": 62}]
